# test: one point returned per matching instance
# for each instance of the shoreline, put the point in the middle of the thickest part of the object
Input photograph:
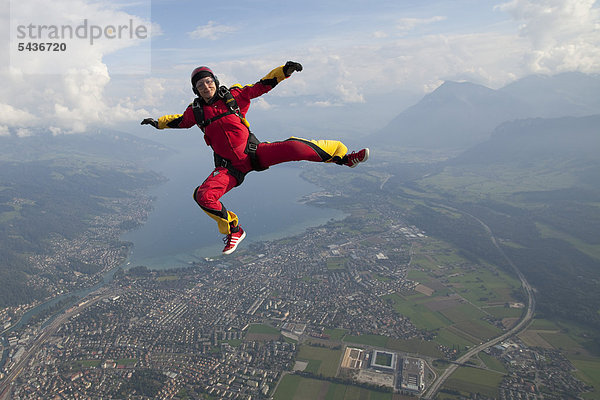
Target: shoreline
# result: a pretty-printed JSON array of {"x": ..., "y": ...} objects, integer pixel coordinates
[{"x": 187, "y": 254}]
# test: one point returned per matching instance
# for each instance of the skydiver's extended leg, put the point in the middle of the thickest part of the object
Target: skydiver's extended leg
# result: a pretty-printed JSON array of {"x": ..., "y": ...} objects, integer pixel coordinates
[
  {"x": 298, "y": 149},
  {"x": 207, "y": 197}
]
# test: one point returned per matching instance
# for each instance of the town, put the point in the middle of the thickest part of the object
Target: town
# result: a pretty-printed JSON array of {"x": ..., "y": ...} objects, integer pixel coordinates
[{"x": 235, "y": 327}]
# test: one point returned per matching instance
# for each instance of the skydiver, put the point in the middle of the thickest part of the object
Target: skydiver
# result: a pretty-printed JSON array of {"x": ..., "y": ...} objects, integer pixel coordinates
[{"x": 220, "y": 113}]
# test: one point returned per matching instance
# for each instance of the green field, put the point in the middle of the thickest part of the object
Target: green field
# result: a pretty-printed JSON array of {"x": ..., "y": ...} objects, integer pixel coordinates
[
  {"x": 415, "y": 346},
  {"x": 420, "y": 309},
  {"x": 335, "y": 334},
  {"x": 492, "y": 363},
  {"x": 418, "y": 275},
  {"x": 334, "y": 263},
  {"x": 505, "y": 312},
  {"x": 384, "y": 359},
  {"x": 483, "y": 286},
  {"x": 263, "y": 329},
  {"x": 418, "y": 313},
  {"x": 321, "y": 360},
  {"x": 167, "y": 278},
  {"x": 84, "y": 364},
  {"x": 454, "y": 339},
  {"x": 589, "y": 371},
  {"x": 473, "y": 380},
  {"x": 295, "y": 387},
  {"x": 576, "y": 344},
  {"x": 589, "y": 249},
  {"x": 562, "y": 341},
  {"x": 543, "y": 324},
  {"x": 287, "y": 387},
  {"x": 370, "y": 340},
  {"x": 479, "y": 329}
]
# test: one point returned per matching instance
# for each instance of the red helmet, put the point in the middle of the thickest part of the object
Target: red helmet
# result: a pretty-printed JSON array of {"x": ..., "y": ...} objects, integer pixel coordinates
[{"x": 202, "y": 72}]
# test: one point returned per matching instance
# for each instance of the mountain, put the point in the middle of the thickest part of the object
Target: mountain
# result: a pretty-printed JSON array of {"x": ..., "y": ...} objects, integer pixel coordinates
[
  {"x": 60, "y": 194},
  {"x": 113, "y": 146},
  {"x": 535, "y": 139},
  {"x": 455, "y": 115},
  {"x": 459, "y": 115},
  {"x": 570, "y": 93},
  {"x": 534, "y": 182}
]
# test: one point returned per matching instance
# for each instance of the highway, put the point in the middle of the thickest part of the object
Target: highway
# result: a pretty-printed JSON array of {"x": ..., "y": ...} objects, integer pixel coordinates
[{"x": 522, "y": 324}]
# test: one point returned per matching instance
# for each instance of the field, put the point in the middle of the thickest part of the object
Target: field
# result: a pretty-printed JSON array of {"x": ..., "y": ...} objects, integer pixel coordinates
[
  {"x": 369, "y": 340},
  {"x": 295, "y": 387},
  {"x": 261, "y": 332},
  {"x": 335, "y": 334},
  {"x": 589, "y": 249},
  {"x": 384, "y": 359},
  {"x": 459, "y": 301},
  {"x": 492, "y": 363},
  {"x": 418, "y": 313},
  {"x": 415, "y": 346},
  {"x": 474, "y": 380},
  {"x": 460, "y": 298},
  {"x": 334, "y": 263},
  {"x": 321, "y": 360},
  {"x": 573, "y": 341}
]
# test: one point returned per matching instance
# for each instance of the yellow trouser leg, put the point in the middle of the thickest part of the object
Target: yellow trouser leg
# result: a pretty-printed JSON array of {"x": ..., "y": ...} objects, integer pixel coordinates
[
  {"x": 224, "y": 224},
  {"x": 331, "y": 150}
]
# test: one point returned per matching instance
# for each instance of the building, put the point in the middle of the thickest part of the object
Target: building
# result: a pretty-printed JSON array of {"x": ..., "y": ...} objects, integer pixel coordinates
[{"x": 413, "y": 375}]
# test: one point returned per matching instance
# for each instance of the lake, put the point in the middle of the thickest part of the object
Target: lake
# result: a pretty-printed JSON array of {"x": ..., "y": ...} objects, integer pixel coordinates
[{"x": 178, "y": 232}]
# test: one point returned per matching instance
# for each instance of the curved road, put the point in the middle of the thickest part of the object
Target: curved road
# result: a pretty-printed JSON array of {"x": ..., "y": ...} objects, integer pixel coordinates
[{"x": 525, "y": 320}]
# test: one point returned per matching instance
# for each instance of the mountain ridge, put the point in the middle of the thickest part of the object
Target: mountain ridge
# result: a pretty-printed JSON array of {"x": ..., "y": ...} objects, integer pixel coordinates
[{"x": 458, "y": 115}]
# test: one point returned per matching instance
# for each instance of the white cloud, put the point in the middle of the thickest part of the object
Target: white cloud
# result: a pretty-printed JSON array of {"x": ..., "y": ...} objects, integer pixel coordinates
[
  {"x": 350, "y": 93},
  {"x": 24, "y": 132},
  {"x": 564, "y": 34},
  {"x": 261, "y": 104},
  {"x": 336, "y": 75},
  {"x": 408, "y": 24},
  {"x": 153, "y": 91},
  {"x": 4, "y": 131},
  {"x": 211, "y": 31},
  {"x": 66, "y": 90},
  {"x": 13, "y": 116},
  {"x": 323, "y": 104},
  {"x": 338, "y": 72}
]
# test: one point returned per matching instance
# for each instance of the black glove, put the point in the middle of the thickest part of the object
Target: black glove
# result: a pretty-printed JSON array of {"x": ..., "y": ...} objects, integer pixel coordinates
[
  {"x": 150, "y": 121},
  {"x": 290, "y": 67}
]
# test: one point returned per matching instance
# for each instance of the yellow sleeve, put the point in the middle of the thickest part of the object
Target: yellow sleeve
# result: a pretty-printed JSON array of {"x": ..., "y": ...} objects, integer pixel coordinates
[
  {"x": 276, "y": 74},
  {"x": 169, "y": 121}
]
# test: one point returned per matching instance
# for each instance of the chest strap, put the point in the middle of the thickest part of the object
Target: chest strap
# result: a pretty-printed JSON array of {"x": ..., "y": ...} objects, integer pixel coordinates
[{"x": 233, "y": 108}]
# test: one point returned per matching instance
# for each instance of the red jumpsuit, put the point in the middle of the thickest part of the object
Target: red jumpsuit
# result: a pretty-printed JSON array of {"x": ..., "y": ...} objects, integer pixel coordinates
[{"x": 228, "y": 137}]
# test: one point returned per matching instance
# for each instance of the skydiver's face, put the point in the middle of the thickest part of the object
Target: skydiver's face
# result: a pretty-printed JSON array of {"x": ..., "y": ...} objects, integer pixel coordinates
[{"x": 206, "y": 87}]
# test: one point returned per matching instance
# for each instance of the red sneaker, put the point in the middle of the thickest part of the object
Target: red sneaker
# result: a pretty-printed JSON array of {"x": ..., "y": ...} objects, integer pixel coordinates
[
  {"x": 355, "y": 158},
  {"x": 232, "y": 240}
]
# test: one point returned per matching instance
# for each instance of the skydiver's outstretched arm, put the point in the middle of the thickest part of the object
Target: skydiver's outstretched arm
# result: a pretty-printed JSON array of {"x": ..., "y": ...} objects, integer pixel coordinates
[{"x": 173, "y": 121}]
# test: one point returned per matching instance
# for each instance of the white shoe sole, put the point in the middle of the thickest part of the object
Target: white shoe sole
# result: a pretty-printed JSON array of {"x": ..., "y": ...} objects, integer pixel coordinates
[
  {"x": 231, "y": 250},
  {"x": 365, "y": 159}
]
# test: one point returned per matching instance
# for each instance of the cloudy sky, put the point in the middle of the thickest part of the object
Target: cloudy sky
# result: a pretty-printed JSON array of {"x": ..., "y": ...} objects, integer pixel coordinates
[{"x": 364, "y": 61}]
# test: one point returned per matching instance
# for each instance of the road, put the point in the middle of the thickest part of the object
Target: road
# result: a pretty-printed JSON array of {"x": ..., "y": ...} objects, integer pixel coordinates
[
  {"x": 5, "y": 387},
  {"x": 523, "y": 322}
]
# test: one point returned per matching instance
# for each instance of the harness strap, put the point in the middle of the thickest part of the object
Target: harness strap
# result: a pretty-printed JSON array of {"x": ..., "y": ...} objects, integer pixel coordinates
[
  {"x": 233, "y": 108},
  {"x": 225, "y": 163},
  {"x": 251, "y": 147}
]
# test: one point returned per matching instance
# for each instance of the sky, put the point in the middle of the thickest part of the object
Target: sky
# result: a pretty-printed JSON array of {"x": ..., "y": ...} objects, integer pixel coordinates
[{"x": 364, "y": 61}]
